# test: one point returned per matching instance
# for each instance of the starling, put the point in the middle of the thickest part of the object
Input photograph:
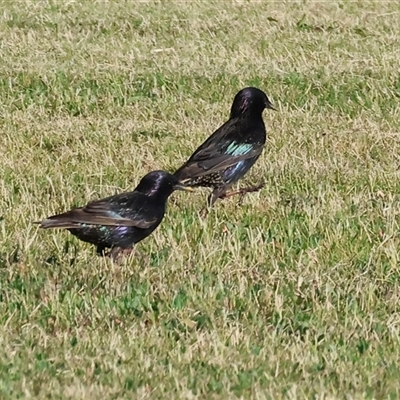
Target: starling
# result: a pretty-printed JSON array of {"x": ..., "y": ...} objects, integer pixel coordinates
[
  {"x": 120, "y": 221},
  {"x": 231, "y": 150}
]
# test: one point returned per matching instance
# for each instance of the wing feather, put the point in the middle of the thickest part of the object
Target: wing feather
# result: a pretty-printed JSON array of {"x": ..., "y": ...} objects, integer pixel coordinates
[
  {"x": 217, "y": 153},
  {"x": 104, "y": 212}
]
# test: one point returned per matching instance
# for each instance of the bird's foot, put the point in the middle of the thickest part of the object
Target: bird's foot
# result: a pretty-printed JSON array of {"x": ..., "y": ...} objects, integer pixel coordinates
[
  {"x": 242, "y": 192},
  {"x": 117, "y": 252}
]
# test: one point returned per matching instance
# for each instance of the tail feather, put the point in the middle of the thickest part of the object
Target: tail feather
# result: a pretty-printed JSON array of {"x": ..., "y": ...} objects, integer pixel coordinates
[
  {"x": 58, "y": 221},
  {"x": 187, "y": 172},
  {"x": 179, "y": 173}
]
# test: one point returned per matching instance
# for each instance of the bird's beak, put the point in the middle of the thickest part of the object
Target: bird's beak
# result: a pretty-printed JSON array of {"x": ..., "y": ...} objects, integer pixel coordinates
[
  {"x": 179, "y": 186},
  {"x": 270, "y": 106}
]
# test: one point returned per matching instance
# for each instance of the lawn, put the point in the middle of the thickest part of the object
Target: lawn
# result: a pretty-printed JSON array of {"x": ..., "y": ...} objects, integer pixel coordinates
[{"x": 295, "y": 294}]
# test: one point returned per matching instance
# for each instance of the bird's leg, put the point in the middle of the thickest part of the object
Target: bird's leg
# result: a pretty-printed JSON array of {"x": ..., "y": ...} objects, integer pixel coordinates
[
  {"x": 243, "y": 191},
  {"x": 100, "y": 250},
  {"x": 117, "y": 252},
  {"x": 204, "y": 212},
  {"x": 216, "y": 194}
]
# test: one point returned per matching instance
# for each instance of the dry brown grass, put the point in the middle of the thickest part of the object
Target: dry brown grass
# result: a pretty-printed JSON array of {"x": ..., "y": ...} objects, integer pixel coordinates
[{"x": 293, "y": 295}]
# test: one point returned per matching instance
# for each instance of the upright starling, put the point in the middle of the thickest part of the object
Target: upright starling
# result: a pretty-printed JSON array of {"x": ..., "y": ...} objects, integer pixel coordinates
[
  {"x": 120, "y": 221},
  {"x": 231, "y": 150}
]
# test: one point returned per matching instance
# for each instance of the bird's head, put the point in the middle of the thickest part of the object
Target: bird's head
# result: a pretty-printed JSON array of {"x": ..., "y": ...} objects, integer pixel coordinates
[
  {"x": 250, "y": 101},
  {"x": 160, "y": 184}
]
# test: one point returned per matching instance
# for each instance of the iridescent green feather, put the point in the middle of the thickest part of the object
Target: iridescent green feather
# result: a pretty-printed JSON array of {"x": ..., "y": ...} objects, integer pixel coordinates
[{"x": 238, "y": 149}]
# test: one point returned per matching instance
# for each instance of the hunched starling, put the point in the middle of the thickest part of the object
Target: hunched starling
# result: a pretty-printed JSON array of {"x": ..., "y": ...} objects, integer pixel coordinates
[{"x": 120, "y": 221}]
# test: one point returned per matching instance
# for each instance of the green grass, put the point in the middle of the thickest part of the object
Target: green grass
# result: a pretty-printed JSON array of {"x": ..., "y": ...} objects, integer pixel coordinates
[{"x": 293, "y": 295}]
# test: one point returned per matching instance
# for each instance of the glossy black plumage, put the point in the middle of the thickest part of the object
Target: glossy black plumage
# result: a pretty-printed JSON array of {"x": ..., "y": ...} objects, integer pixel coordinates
[
  {"x": 228, "y": 154},
  {"x": 120, "y": 221}
]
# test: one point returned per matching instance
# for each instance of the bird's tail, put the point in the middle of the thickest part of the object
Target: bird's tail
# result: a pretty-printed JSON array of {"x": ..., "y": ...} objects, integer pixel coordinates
[
  {"x": 57, "y": 221},
  {"x": 185, "y": 173},
  {"x": 178, "y": 173}
]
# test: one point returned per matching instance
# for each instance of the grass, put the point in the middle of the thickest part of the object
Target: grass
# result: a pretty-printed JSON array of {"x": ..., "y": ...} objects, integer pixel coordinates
[{"x": 293, "y": 295}]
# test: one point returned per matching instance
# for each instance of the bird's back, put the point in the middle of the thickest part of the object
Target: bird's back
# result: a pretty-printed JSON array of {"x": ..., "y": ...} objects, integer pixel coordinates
[
  {"x": 239, "y": 140},
  {"x": 146, "y": 213},
  {"x": 136, "y": 206}
]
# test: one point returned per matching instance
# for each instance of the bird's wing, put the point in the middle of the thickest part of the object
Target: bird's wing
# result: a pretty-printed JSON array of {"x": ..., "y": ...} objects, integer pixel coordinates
[
  {"x": 218, "y": 152},
  {"x": 105, "y": 212},
  {"x": 216, "y": 143},
  {"x": 193, "y": 169},
  {"x": 102, "y": 212}
]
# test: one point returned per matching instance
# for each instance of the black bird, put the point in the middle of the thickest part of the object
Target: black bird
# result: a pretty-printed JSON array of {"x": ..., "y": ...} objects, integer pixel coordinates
[
  {"x": 231, "y": 150},
  {"x": 120, "y": 221}
]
